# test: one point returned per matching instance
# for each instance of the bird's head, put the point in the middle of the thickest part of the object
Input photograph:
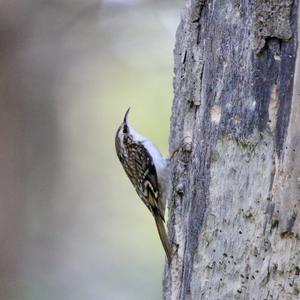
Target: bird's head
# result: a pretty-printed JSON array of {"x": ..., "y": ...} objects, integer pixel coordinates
[{"x": 123, "y": 135}]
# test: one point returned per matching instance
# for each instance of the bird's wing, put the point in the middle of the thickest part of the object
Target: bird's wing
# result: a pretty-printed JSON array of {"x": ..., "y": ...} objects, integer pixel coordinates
[{"x": 144, "y": 169}]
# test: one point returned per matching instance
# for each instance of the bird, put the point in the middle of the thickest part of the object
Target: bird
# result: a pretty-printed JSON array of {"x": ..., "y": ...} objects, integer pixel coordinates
[{"x": 148, "y": 172}]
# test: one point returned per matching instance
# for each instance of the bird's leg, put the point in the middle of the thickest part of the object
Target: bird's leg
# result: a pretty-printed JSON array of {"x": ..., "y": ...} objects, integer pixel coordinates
[{"x": 185, "y": 146}]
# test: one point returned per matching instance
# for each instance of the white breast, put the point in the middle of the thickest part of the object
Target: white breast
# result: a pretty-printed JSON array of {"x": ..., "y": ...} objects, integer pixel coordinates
[{"x": 158, "y": 160}]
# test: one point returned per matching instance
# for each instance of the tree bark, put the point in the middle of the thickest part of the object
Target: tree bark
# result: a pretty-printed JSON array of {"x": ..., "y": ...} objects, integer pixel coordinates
[{"x": 234, "y": 208}]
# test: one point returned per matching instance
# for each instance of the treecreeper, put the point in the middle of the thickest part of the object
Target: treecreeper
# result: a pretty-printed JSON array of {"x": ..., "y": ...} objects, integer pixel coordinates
[{"x": 147, "y": 170}]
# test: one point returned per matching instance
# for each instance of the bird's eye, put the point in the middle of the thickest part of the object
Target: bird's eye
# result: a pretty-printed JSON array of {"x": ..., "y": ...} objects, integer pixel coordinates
[{"x": 125, "y": 129}]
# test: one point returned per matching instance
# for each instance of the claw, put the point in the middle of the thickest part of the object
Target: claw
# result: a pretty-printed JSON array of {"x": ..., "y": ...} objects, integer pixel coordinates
[{"x": 184, "y": 145}]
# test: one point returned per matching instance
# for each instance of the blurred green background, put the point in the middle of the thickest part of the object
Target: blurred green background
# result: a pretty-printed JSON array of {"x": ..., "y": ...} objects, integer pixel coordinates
[{"x": 71, "y": 224}]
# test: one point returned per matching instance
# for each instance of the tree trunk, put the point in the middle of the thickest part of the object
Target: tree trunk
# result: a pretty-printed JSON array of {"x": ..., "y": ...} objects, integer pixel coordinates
[{"x": 234, "y": 208}]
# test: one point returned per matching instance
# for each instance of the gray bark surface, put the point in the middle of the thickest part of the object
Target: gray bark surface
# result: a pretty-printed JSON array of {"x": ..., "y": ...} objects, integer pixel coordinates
[{"x": 234, "y": 208}]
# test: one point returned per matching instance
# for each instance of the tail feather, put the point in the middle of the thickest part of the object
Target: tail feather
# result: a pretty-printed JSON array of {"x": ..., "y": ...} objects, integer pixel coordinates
[{"x": 163, "y": 236}]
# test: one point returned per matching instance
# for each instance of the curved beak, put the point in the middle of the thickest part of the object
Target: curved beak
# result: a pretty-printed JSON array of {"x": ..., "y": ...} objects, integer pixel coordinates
[{"x": 126, "y": 115}]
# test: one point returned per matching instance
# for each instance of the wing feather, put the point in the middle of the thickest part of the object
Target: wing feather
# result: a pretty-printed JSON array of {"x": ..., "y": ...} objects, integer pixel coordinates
[{"x": 141, "y": 166}]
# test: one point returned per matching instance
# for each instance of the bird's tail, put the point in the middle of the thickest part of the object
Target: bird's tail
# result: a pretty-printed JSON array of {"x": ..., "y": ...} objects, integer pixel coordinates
[{"x": 163, "y": 235}]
